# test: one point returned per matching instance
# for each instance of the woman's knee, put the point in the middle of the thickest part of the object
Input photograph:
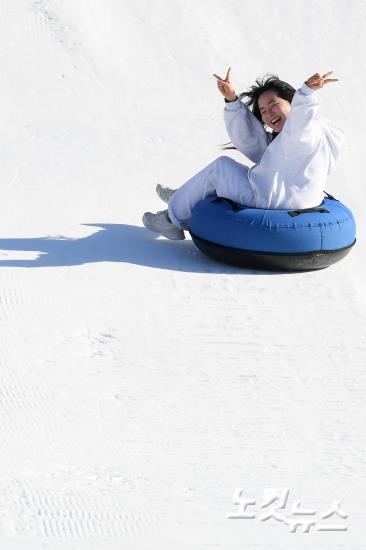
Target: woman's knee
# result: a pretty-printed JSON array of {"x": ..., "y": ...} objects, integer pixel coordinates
[
  {"x": 224, "y": 167},
  {"x": 231, "y": 177},
  {"x": 227, "y": 166},
  {"x": 225, "y": 161}
]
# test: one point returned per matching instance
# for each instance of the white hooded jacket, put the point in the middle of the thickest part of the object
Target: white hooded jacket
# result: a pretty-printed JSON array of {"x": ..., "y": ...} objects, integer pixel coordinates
[{"x": 290, "y": 169}]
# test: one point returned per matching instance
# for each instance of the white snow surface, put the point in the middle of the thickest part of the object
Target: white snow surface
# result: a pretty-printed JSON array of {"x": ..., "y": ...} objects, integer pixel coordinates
[{"x": 143, "y": 383}]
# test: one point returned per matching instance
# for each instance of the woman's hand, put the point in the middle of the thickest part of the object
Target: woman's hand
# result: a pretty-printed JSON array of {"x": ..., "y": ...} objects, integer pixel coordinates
[
  {"x": 317, "y": 81},
  {"x": 225, "y": 86}
]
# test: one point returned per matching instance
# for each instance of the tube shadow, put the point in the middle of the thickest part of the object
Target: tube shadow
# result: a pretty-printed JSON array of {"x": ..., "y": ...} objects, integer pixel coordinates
[{"x": 117, "y": 243}]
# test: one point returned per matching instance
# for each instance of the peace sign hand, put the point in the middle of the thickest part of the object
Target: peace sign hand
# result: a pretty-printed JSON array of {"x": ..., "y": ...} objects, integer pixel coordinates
[
  {"x": 317, "y": 81},
  {"x": 225, "y": 86}
]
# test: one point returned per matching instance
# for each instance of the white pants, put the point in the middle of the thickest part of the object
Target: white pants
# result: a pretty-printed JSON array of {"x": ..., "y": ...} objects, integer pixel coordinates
[{"x": 224, "y": 177}]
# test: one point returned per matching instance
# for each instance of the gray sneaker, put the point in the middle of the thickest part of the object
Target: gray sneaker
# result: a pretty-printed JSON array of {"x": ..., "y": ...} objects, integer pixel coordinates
[
  {"x": 160, "y": 223},
  {"x": 164, "y": 193}
]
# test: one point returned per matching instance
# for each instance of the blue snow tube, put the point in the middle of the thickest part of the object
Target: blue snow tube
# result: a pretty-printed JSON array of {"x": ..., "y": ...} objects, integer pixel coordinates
[{"x": 284, "y": 240}]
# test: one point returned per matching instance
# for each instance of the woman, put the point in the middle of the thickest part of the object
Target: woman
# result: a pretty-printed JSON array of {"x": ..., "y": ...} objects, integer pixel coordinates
[{"x": 291, "y": 162}]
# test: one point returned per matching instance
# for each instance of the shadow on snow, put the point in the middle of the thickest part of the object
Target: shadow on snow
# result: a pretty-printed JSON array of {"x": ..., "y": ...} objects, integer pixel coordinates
[{"x": 116, "y": 243}]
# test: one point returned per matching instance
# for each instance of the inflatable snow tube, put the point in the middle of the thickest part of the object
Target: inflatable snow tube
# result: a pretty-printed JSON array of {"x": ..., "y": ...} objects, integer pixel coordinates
[{"x": 275, "y": 240}]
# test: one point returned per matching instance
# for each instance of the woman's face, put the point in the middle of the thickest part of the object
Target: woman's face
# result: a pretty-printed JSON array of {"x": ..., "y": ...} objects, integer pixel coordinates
[{"x": 274, "y": 110}]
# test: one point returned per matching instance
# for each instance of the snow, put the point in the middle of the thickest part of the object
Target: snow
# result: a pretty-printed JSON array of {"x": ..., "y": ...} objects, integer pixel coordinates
[{"x": 141, "y": 382}]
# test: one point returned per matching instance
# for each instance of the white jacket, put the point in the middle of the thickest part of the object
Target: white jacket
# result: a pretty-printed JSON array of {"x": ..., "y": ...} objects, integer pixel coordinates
[{"x": 291, "y": 169}]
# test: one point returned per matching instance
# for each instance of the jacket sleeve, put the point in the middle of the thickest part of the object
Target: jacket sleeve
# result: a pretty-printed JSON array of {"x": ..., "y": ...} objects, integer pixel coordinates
[
  {"x": 302, "y": 128},
  {"x": 245, "y": 131}
]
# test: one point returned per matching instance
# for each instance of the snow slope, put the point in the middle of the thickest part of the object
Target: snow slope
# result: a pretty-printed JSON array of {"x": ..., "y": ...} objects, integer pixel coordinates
[{"x": 141, "y": 382}]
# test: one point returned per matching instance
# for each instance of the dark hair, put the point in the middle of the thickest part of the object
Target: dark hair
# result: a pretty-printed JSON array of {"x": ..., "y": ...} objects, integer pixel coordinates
[{"x": 268, "y": 82}]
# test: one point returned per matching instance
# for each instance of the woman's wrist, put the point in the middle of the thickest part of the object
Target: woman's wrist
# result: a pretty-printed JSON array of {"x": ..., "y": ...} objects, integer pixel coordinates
[{"x": 231, "y": 100}]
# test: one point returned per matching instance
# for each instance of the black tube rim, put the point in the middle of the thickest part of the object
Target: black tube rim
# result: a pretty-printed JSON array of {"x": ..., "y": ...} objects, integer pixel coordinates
[{"x": 272, "y": 261}]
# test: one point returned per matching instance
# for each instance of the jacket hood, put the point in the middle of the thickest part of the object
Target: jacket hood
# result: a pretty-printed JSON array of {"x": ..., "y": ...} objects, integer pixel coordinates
[{"x": 335, "y": 138}]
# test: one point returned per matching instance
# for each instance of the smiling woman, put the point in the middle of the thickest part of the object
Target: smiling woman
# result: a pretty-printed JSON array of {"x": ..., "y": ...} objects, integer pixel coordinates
[{"x": 292, "y": 161}]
